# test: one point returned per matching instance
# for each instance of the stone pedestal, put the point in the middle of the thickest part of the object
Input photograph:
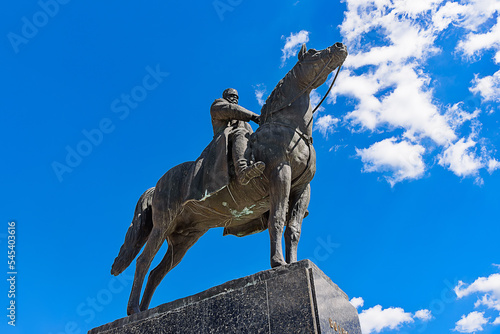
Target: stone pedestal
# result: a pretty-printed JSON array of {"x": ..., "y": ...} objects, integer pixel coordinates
[{"x": 297, "y": 298}]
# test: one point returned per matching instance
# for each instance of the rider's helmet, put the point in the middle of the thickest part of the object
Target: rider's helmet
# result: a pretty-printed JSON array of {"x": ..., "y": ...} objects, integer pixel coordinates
[{"x": 231, "y": 95}]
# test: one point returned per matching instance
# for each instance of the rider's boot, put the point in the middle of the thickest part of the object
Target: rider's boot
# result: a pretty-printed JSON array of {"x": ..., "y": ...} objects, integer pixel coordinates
[{"x": 245, "y": 172}]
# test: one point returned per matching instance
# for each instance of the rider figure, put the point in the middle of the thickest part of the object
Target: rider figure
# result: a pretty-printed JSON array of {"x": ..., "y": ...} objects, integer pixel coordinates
[{"x": 226, "y": 113}]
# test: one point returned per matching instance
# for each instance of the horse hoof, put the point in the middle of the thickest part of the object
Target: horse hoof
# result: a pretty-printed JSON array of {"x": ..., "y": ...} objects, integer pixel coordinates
[
  {"x": 133, "y": 310},
  {"x": 277, "y": 263}
]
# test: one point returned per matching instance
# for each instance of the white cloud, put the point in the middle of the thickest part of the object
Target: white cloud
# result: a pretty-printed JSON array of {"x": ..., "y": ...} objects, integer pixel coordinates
[
  {"x": 376, "y": 319},
  {"x": 260, "y": 90},
  {"x": 489, "y": 289},
  {"x": 449, "y": 13},
  {"x": 293, "y": 44},
  {"x": 475, "y": 14},
  {"x": 424, "y": 315},
  {"x": 489, "y": 302},
  {"x": 405, "y": 36},
  {"x": 357, "y": 302},
  {"x": 460, "y": 159},
  {"x": 403, "y": 159},
  {"x": 493, "y": 165},
  {"x": 389, "y": 79},
  {"x": 474, "y": 321},
  {"x": 455, "y": 116},
  {"x": 490, "y": 284},
  {"x": 475, "y": 43},
  {"x": 484, "y": 34},
  {"x": 415, "y": 8},
  {"x": 325, "y": 124},
  {"x": 406, "y": 105},
  {"x": 396, "y": 92},
  {"x": 488, "y": 87}
]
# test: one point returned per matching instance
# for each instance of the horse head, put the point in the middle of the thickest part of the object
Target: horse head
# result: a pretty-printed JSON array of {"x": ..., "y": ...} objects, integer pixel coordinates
[
  {"x": 310, "y": 72},
  {"x": 313, "y": 67}
]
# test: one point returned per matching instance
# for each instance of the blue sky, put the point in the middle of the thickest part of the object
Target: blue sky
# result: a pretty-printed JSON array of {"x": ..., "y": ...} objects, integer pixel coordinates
[{"x": 100, "y": 99}]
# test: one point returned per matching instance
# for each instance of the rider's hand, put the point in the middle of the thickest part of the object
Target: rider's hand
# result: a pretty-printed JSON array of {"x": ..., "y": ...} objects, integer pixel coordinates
[{"x": 256, "y": 119}]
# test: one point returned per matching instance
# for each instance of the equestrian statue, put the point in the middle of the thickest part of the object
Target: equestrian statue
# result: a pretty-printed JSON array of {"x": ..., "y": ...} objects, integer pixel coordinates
[{"x": 244, "y": 181}]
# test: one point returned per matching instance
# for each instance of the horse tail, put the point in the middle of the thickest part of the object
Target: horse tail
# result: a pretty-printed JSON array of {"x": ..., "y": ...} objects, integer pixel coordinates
[{"x": 137, "y": 234}]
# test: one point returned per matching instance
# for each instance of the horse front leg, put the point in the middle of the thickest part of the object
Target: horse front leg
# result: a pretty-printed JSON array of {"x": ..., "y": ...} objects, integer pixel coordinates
[
  {"x": 279, "y": 191},
  {"x": 299, "y": 201}
]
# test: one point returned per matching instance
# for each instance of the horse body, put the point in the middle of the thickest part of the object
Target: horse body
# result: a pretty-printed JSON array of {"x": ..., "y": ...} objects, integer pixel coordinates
[{"x": 277, "y": 199}]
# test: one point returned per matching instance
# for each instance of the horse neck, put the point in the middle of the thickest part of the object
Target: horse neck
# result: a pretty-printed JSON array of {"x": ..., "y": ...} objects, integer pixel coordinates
[{"x": 297, "y": 116}]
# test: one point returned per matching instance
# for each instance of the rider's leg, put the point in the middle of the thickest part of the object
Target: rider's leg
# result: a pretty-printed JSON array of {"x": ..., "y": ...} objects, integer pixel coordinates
[{"x": 241, "y": 157}]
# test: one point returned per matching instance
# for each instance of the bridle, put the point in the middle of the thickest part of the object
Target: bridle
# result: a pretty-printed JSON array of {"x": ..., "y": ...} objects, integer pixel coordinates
[
  {"x": 307, "y": 87},
  {"x": 308, "y": 139}
]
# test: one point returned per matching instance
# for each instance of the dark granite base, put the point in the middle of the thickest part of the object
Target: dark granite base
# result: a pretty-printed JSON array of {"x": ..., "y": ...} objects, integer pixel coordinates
[{"x": 297, "y": 298}]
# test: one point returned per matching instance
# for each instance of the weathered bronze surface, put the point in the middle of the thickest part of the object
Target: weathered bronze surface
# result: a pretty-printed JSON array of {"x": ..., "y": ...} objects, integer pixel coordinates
[{"x": 198, "y": 195}]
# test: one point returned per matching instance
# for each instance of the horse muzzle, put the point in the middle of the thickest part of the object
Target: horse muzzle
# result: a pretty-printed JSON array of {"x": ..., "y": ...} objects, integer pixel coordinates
[{"x": 339, "y": 51}]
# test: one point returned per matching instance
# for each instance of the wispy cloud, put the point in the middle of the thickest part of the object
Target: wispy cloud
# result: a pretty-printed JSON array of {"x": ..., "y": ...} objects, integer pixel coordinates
[
  {"x": 293, "y": 44},
  {"x": 493, "y": 165},
  {"x": 424, "y": 315},
  {"x": 474, "y": 15},
  {"x": 315, "y": 100},
  {"x": 326, "y": 124},
  {"x": 260, "y": 90},
  {"x": 488, "y": 87}
]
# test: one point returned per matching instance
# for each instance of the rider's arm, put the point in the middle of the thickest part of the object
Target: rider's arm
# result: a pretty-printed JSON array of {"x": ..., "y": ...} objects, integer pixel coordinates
[{"x": 225, "y": 111}]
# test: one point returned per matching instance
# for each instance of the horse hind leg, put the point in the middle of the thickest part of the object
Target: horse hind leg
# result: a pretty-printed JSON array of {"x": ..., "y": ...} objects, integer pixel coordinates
[
  {"x": 178, "y": 245},
  {"x": 156, "y": 239},
  {"x": 299, "y": 201}
]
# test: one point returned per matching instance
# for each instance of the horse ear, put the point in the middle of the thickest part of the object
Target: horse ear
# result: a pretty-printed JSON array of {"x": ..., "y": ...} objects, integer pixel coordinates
[{"x": 302, "y": 52}]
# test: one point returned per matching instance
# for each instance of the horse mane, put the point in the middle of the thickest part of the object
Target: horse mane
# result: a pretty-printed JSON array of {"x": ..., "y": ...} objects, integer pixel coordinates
[{"x": 276, "y": 99}]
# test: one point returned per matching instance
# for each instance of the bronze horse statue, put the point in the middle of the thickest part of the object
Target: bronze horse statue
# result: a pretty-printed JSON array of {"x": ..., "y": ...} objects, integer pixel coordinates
[{"x": 182, "y": 207}]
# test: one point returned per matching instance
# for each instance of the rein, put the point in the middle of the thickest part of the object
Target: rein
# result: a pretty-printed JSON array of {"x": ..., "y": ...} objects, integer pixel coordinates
[
  {"x": 329, "y": 89},
  {"x": 307, "y": 138},
  {"x": 304, "y": 90}
]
